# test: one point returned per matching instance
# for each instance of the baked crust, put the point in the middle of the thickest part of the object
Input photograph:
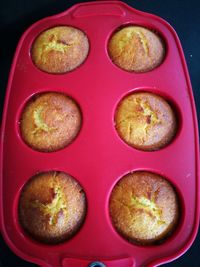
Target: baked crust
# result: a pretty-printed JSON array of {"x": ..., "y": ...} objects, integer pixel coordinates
[
  {"x": 145, "y": 121},
  {"x": 50, "y": 121},
  {"x": 137, "y": 49},
  {"x": 144, "y": 207},
  {"x": 60, "y": 49},
  {"x": 52, "y": 207}
]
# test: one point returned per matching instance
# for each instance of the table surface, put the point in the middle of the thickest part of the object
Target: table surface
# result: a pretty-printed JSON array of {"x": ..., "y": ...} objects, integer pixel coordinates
[{"x": 18, "y": 15}]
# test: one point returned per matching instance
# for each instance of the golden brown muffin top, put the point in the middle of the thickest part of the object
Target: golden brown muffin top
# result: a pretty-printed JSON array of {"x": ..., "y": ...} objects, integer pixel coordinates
[
  {"x": 52, "y": 207},
  {"x": 135, "y": 48},
  {"x": 144, "y": 207},
  {"x": 50, "y": 121},
  {"x": 145, "y": 121},
  {"x": 60, "y": 49}
]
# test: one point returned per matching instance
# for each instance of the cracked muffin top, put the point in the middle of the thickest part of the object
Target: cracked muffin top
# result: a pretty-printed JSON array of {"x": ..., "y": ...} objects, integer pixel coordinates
[
  {"x": 50, "y": 121},
  {"x": 52, "y": 207},
  {"x": 145, "y": 121},
  {"x": 60, "y": 49},
  {"x": 144, "y": 207},
  {"x": 137, "y": 49}
]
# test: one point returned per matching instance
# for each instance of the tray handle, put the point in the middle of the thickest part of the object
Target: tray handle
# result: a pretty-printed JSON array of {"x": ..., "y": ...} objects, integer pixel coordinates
[
  {"x": 100, "y": 9},
  {"x": 125, "y": 262}
]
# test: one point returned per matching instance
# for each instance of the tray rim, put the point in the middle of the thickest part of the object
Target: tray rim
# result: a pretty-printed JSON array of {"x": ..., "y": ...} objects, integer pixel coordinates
[{"x": 196, "y": 136}]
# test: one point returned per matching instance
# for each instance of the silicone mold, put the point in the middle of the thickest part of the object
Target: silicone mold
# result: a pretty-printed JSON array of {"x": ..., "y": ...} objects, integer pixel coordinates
[{"x": 98, "y": 158}]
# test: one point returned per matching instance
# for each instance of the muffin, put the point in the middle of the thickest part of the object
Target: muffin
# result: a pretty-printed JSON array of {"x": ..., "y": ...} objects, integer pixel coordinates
[
  {"x": 60, "y": 49},
  {"x": 137, "y": 49},
  {"x": 50, "y": 121},
  {"x": 52, "y": 207},
  {"x": 144, "y": 208},
  {"x": 145, "y": 121}
]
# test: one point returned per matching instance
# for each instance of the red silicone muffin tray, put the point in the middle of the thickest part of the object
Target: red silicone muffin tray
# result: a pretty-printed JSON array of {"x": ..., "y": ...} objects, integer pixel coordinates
[{"x": 98, "y": 158}]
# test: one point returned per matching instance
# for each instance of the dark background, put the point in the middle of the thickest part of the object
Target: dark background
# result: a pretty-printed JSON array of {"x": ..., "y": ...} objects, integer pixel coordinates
[{"x": 184, "y": 16}]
